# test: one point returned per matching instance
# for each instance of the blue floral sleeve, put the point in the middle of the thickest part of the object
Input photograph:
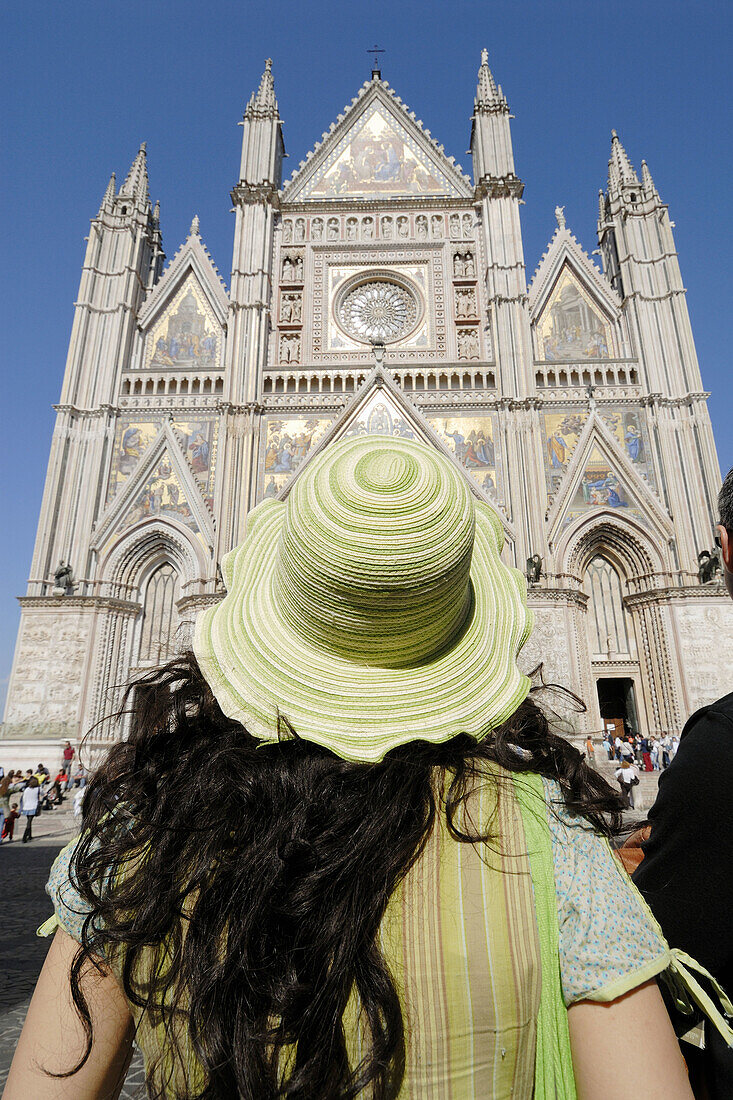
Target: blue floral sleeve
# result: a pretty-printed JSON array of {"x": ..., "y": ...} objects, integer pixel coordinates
[
  {"x": 609, "y": 942},
  {"x": 70, "y": 910}
]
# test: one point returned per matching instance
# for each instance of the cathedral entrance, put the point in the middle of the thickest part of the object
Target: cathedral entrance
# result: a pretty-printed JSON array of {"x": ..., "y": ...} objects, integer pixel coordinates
[{"x": 617, "y": 704}]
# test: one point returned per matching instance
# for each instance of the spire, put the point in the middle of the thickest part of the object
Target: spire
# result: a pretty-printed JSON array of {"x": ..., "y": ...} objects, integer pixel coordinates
[
  {"x": 194, "y": 230},
  {"x": 620, "y": 168},
  {"x": 264, "y": 104},
  {"x": 136, "y": 184},
  {"x": 488, "y": 96},
  {"x": 109, "y": 194},
  {"x": 646, "y": 179}
]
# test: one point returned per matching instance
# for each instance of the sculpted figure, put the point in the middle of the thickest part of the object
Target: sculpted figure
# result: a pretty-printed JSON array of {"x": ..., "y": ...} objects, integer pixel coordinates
[
  {"x": 534, "y": 569},
  {"x": 64, "y": 576}
]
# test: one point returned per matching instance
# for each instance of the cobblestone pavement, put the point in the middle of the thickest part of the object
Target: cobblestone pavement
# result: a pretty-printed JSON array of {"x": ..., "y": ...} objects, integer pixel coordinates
[{"x": 23, "y": 872}]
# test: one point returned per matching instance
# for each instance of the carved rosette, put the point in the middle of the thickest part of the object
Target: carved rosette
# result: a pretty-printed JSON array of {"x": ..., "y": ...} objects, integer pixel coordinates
[{"x": 378, "y": 311}]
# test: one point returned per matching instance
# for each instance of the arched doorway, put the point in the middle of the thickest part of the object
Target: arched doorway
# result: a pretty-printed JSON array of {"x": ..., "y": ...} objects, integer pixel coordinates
[
  {"x": 157, "y": 637},
  {"x": 612, "y": 645}
]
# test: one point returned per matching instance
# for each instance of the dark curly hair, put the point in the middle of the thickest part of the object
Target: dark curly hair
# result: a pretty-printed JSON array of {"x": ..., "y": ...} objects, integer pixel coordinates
[{"x": 239, "y": 888}]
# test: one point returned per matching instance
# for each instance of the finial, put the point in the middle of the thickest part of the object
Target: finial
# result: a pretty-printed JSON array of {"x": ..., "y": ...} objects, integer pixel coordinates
[
  {"x": 376, "y": 71},
  {"x": 487, "y": 94},
  {"x": 264, "y": 102},
  {"x": 143, "y": 147},
  {"x": 156, "y": 210},
  {"x": 194, "y": 230},
  {"x": 560, "y": 215},
  {"x": 614, "y": 135}
]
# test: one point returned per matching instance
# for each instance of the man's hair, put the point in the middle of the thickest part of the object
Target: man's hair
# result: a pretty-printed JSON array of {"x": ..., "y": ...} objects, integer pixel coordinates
[{"x": 725, "y": 502}]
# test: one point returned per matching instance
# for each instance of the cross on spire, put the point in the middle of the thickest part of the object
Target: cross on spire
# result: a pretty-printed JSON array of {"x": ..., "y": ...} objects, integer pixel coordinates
[{"x": 376, "y": 71}]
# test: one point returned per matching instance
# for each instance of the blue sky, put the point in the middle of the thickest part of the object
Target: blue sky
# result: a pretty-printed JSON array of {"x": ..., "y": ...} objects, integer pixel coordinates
[{"x": 86, "y": 82}]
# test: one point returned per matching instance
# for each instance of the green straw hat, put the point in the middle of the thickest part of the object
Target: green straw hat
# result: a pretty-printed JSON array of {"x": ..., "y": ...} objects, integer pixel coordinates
[{"x": 371, "y": 609}]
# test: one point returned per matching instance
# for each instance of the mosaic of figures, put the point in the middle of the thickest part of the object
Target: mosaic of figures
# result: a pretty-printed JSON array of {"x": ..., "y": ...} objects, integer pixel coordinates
[
  {"x": 161, "y": 497},
  {"x": 187, "y": 336},
  {"x": 601, "y": 486},
  {"x": 382, "y": 226},
  {"x": 377, "y": 157},
  {"x": 134, "y": 435},
  {"x": 571, "y": 326},
  {"x": 380, "y": 416},
  {"x": 562, "y": 429},
  {"x": 471, "y": 439},
  {"x": 286, "y": 443}
]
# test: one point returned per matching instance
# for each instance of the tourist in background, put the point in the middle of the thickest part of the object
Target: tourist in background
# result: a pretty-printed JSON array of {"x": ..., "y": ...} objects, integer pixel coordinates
[
  {"x": 10, "y": 820},
  {"x": 627, "y": 778},
  {"x": 590, "y": 752},
  {"x": 5, "y": 784},
  {"x": 67, "y": 758},
  {"x": 29, "y": 802}
]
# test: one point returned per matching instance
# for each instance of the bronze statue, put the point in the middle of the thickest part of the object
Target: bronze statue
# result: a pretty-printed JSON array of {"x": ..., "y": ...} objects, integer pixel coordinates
[
  {"x": 64, "y": 576},
  {"x": 534, "y": 569},
  {"x": 708, "y": 564}
]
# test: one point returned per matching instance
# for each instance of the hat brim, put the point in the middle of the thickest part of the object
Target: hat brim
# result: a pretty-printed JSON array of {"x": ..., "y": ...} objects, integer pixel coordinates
[{"x": 260, "y": 671}]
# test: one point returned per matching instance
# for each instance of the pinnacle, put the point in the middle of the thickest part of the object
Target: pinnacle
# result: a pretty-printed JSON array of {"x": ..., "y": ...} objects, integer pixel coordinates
[
  {"x": 194, "y": 230},
  {"x": 487, "y": 94},
  {"x": 136, "y": 183},
  {"x": 265, "y": 100},
  {"x": 109, "y": 193},
  {"x": 646, "y": 177},
  {"x": 620, "y": 168}
]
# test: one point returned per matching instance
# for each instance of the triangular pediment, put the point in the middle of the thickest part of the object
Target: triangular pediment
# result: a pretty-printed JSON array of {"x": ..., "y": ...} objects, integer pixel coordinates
[
  {"x": 184, "y": 317},
  {"x": 192, "y": 258},
  {"x": 601, "y": 477},
  {"x": 573, "y": 308},
  {"x": 163, "y": 486},
  {"x": 377, "y": 149},
  {"x": 380, "y": 408}
]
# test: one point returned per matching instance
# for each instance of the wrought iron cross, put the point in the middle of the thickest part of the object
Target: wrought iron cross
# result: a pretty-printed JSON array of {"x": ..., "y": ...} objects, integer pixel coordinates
[{"x": 375, "y": 64}]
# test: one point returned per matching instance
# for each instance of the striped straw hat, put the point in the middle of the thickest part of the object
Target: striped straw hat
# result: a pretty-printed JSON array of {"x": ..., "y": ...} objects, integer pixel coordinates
[{"x": 371, "y": 609}]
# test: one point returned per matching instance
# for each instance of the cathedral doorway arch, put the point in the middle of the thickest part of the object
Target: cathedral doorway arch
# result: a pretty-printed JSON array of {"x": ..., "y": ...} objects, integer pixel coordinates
[
  {"x": 159, "y": 622},
  {"x": 626, "y": 665}
]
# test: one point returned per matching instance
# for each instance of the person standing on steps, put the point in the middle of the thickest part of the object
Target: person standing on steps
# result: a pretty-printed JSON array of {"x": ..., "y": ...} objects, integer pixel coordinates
[{"x": 29, "y": 806}]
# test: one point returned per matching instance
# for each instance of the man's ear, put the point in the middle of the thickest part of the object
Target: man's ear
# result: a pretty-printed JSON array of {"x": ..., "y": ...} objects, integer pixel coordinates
[{"x": 726, "y": 547}]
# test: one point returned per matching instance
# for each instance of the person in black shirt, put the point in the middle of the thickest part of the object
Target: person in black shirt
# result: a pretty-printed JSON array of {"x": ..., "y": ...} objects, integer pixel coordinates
[{"x": 686, "y": 875}]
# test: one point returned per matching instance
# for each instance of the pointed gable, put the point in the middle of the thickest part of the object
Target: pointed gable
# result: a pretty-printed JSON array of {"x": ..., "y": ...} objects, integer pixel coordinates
[
  {"x": 185, "y": 314},
  {"x": 377, "y": 150},
  {"x": 601, "y": 475},
  {"x": 380, "y": 408},
  {"x": 163, "y": 485},
  {"x": 574, "y": 310}
]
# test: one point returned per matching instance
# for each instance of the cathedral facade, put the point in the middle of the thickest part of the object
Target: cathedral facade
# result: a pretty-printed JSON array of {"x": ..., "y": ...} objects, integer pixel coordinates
[{"x": 380, "y": 290}]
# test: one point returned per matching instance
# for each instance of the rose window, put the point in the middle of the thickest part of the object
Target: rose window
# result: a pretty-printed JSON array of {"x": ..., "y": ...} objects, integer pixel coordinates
[{"x": 379, "y": 311}]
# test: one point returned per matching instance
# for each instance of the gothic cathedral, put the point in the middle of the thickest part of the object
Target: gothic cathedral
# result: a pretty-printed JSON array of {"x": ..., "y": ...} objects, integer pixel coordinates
[{"x": 380, "y": 290}]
